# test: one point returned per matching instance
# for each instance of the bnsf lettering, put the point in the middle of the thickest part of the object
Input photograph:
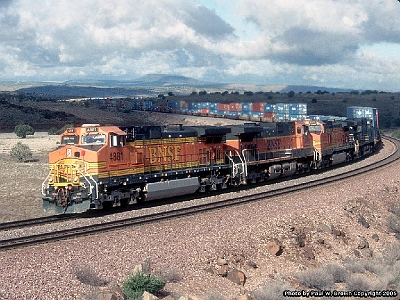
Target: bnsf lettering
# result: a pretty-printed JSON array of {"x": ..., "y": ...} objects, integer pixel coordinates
[
  {"x": 164, "y": 153},
  {"x": 274, "y": 144}
]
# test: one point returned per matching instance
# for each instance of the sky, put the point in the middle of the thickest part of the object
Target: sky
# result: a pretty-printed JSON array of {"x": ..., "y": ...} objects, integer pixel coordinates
[{"x": 331, "y": 43}]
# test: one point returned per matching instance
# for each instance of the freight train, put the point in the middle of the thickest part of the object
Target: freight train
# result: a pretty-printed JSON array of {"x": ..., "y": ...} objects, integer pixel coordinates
[{"x": 97, "y": 167}]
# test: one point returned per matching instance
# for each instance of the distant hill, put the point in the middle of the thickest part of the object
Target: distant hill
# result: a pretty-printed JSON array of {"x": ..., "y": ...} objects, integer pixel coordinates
[{"x": 153, "y": 84}]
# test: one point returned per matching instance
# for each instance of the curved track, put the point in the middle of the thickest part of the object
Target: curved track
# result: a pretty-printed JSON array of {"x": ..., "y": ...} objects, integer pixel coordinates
[{"x": 113, "y": 225}]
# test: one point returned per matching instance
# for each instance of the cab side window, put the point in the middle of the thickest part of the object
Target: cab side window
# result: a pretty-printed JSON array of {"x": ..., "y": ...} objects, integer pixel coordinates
[{"x": 117, "y": 140}]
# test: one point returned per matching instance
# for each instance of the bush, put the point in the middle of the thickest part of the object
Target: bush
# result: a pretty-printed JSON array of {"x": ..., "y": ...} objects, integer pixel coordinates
[
  {"x": 338, "y": 272},
  {"x": 273, "y": 290},
  {"x": 169, "y": 275},
  {"x": 358, "y": 282},
  {"x": 87, "y": 276},
  {"x": 138, "y": 283},
  {"x": 23, "y": 130},
  {"x": 21, "y": 152},
  {"x": 316, "y": 279},
  {"x": 393, "y": 223}
]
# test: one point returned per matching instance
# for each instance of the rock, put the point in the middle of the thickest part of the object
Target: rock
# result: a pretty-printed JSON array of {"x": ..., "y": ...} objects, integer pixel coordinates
[
  {"x": 299, "y": 239},
  {"x": 137, "y": 269},
  {"x": 363, "y": 244},
  {"x": 148, "y": 296},
  {"x": 274, "y": 247},
  {"x": 169, "y": 297},
  {"x": 252, "y": 264},
  {"x": 325, "y": 228},
  {"x": 375, "y": 237},
  {"x": 337, "y": 232},
  {"x": 242, "y": 297},
  {"x": 236, "y": 276},
  {"x": 223, "y": 271},
  {"x": 221, "y": 262},
  {"x": 308, "y": 253},
  {"x": 367, "y": 252},
  {"x": 144, "y": 267},
  {"x": 110, "y": 292},
  {"x": 357, "y": 253},
  {"x": 363, "y": 222}
]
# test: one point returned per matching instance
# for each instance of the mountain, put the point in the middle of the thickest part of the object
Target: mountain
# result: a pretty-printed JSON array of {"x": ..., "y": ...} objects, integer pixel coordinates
[{"x": 154, "y": 84}]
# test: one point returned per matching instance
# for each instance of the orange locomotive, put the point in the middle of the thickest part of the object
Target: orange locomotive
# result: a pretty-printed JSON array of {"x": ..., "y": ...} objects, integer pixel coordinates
[{"x": 99, "y": 166}]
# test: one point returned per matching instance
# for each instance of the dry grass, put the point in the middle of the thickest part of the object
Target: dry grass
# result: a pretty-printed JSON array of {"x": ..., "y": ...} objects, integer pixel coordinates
[{"x": 20, "y": 187}]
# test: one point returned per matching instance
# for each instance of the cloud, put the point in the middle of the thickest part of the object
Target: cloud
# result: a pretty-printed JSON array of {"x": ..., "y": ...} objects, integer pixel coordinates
[
  {"x": 309, "y": 41},
  {"x": 108, "y": 36}
]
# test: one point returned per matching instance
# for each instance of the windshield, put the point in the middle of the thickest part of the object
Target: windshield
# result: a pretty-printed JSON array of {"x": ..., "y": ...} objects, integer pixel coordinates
[
  {"x": 315, "y": 128},
  {"x": 94, "y": 139},
  {"x": 69, "y": 139}
]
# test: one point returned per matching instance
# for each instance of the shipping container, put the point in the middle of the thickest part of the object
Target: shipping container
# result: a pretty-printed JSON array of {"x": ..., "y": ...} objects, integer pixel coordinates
[
  {"x": 183, "y": 104},
  {"x": 298, "y": 108},
  {"x": 222, "y": 107},
  {"x": 205, "y": 111},
  {"x": 270, "y": 108},
  {"x": 282, "y": 116},
  {"x": 258, "y": 107},
  {"x": 247, "y": 107},
  {"x": 282, "y": 108},
  {"x": 269, "y": 115},
  {"x": 235, "y": 107}
]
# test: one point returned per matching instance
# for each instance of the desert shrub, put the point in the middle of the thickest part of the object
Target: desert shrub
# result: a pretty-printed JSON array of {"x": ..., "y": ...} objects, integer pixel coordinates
[
  {"x": 273, "y": 290},
  {"x": 393, "y": 223},
  {"x": 355, "y": 265},
  {"x": 23, "y": 130},
  {"x": 391, "y": 254},
  {"x": 21, "y": 152},
  {"x": 395, "y": 209},
  {"x": 136, "y": 284},
  {"x": 316, "y": 278},
  {"x": 169, "y": 275},
  {"x": 338, "y": 272},
  {"x": 358, "y": 282},
  {"x": 87, "y": 276}
]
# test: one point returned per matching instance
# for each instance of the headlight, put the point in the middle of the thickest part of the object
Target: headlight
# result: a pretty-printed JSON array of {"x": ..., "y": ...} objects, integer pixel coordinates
[{"x": 76, "y": 179}]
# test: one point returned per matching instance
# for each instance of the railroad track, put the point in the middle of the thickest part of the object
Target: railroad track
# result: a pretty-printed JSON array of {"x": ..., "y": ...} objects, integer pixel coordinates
[{"x": 157, "y": 217}]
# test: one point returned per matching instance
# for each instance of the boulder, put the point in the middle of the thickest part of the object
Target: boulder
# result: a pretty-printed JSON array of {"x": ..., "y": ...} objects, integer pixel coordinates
[
  {"x": 110, "y": 292},
  {"x": 148, "y": 296},
  {"x": 236, "y": 276},
  {"x": 223, "y": 270},
  {"x": 308, "y": 253},
  {"x": 274, "y": 247},
  {"x": 363, "y": 222},
  {"x": 363, "y": 244},
  {"x": 252, "y": 264},
  {"x": 325, "y": 228},
  {"x": 375, "y": 237},
  {"x": 221, "y": 262}
]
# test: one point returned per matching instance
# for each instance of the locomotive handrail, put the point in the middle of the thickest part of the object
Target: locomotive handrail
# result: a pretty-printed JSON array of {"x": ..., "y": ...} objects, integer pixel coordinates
[
  {"x": 90, "y": 184},
  {"x": 44, "y": 182}
]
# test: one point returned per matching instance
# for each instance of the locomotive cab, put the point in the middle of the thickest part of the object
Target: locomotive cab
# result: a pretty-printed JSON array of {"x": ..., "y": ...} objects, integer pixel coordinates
[{"x": 75, "y": 166}]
